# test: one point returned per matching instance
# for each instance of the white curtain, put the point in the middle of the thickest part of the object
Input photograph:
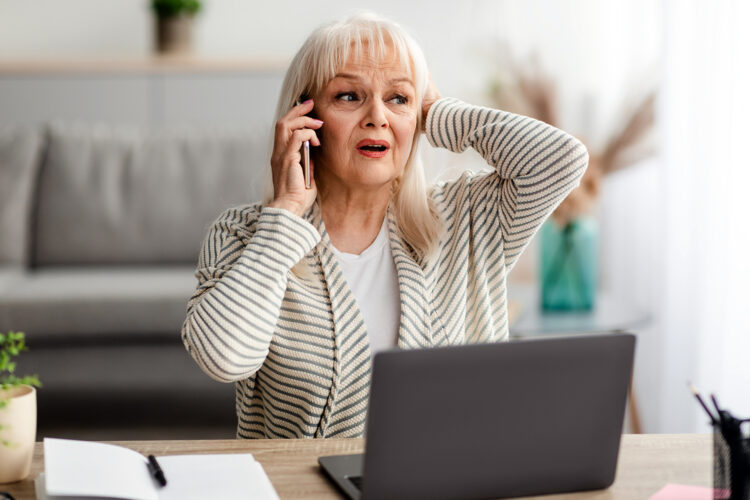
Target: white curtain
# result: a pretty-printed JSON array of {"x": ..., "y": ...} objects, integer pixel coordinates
[{"x": 703, "y": 313}]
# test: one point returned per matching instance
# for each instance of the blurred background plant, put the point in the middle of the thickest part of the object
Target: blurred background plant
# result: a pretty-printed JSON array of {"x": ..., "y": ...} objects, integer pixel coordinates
[
  {"x": 171, "y": 8},
  {"x": 174, "y": 25},
  {"x": 524, "y": 87}
]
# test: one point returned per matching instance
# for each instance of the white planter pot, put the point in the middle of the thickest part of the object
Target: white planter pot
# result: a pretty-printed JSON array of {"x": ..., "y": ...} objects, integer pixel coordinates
[{"x": 17, "y": 433}]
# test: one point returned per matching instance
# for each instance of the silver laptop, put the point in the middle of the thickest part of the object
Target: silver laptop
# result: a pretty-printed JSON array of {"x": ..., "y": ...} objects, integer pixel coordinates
[{"x": 527, "y": 417}]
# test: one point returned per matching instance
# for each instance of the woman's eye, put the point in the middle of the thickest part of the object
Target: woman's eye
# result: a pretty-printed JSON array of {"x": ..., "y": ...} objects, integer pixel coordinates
[
  {"x": 399, "y": 99},
  {"x": 347, "y": 96}
]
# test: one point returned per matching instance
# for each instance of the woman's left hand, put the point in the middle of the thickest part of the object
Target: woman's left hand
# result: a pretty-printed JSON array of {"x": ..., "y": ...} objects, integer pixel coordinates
[{"x": 431, "y": 95}]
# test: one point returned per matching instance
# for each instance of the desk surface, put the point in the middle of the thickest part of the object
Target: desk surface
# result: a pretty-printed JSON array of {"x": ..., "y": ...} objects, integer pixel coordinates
[{"x": 646, "y": 464}]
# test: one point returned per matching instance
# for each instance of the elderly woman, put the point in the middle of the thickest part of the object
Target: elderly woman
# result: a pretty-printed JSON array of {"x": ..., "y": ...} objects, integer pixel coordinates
[{"x": 297, "y": 293}]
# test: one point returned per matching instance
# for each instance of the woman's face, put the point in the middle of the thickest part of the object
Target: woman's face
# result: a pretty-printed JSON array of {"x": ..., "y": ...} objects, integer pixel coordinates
[{"x": 369, "y": 113}]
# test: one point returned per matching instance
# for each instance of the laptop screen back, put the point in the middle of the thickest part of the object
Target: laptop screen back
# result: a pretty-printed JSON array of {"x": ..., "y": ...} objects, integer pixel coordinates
[{"x": 510, "y": 419}]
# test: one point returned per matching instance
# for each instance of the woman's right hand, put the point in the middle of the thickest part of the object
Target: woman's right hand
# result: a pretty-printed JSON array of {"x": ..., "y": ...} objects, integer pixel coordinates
[{"x": 292, "y": 130}]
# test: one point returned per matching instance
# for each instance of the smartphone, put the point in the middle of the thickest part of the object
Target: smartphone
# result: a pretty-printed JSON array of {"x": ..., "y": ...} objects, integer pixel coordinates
[{"x": 305, "y": 151}]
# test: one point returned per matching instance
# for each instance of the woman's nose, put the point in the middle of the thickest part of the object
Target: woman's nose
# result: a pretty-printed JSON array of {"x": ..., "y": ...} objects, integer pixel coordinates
[{"x": 375, "y": 115}]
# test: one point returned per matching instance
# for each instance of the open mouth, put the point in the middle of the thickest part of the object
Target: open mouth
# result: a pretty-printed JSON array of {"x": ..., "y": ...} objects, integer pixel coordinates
[{"x": 373, "y": 147}]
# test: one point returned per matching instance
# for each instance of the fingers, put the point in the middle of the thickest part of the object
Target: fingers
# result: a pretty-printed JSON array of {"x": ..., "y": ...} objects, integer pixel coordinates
[
  {"x": 301, "y": 135},
  {"x": 297, "y": 111},
  {"x": 287, "y": 160},
  {"x": 303, "y": 108},
  {"x": 296, "y": 119},
  {"x": 288, "y": 124},
  {"x": 303, "y": 122},
  {"x": 306, "y": 134},
  {"x": 292, "y": 130}
]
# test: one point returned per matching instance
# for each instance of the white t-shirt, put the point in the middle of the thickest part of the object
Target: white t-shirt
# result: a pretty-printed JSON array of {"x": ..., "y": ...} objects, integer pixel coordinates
[{"x": 372, "y": 278}]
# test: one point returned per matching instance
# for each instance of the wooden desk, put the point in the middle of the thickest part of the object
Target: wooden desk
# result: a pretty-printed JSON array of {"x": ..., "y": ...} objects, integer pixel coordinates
[{"x": 647, "y": 463}]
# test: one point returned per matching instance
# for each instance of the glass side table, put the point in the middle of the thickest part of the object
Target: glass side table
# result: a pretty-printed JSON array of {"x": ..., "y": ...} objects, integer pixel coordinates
[{"x": 610, "y": 314}]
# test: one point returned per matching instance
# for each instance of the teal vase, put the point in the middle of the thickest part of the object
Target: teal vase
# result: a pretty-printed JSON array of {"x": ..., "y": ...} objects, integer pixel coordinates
[{"x": 568, "y": 265}]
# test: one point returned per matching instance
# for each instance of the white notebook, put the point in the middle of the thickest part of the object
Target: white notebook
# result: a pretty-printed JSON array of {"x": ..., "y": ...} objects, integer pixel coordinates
[{"x": 89, "y": 470}]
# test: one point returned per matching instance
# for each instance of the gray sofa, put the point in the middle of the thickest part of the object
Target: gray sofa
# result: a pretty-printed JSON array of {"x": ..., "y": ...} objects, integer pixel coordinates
[{"x": 100, "y": 230}]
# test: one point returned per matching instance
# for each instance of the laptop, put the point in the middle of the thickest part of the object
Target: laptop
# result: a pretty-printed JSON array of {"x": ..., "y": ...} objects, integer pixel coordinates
[{"x": 526, "y": 417}]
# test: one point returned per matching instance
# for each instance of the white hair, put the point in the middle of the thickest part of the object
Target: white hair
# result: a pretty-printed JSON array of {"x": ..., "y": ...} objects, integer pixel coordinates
[{"x": 316, "y": 63}]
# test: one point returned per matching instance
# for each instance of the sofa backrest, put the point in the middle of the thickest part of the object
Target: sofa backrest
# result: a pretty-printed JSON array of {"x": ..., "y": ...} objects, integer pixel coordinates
[
  {"x": 119, "y": 196},
  {"x": 20, "y": 153}
]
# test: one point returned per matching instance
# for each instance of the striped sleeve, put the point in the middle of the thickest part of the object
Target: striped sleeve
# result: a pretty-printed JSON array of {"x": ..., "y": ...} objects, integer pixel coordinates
[
  {"x": 232, "y": 315},
  {"x": 536, "y": 163}
]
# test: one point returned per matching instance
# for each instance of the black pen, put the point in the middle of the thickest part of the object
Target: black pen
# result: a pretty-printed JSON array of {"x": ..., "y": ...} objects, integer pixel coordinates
[
  {"x": 700, "y": 400},
  {"x": 718, "y": 410},
  {"x": 155, "y": 470}
]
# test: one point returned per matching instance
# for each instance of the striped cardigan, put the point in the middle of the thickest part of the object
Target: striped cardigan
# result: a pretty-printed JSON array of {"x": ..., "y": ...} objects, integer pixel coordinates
[{"x": 296, "y": 346}]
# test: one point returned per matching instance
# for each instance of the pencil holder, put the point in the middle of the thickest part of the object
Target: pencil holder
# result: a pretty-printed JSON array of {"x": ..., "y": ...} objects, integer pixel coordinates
[{"x": 731, "y": 463}]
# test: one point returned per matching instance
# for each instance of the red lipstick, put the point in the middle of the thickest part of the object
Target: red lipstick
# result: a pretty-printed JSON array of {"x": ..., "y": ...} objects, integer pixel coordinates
[{"x": 372, "y": 148}]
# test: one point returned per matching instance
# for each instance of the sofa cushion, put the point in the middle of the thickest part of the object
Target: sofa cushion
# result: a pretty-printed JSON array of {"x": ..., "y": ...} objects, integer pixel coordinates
[
  {"x": 62, "y": 303},
  {"x": 129, "y": 196},
  {"x": 20, "y": 150}
]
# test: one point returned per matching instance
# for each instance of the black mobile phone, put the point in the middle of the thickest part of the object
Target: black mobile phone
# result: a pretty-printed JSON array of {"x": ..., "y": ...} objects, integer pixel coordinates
[{"x": 305, "y": 151}]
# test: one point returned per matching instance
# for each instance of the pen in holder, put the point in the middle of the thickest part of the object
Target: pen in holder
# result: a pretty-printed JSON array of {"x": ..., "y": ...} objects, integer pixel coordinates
[
  {"x": 731, "y": 459},
  {"x": 731, "y": 452}
]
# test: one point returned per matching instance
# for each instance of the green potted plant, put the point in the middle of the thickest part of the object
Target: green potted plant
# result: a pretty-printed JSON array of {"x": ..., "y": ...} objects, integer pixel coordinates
[
  {"x": 174, "y": 24},
  {"x": 17, "y": 411}
]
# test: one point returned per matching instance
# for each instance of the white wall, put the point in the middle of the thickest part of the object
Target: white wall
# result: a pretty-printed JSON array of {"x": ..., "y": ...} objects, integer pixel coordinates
[{"x": 597, "y": 50}]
